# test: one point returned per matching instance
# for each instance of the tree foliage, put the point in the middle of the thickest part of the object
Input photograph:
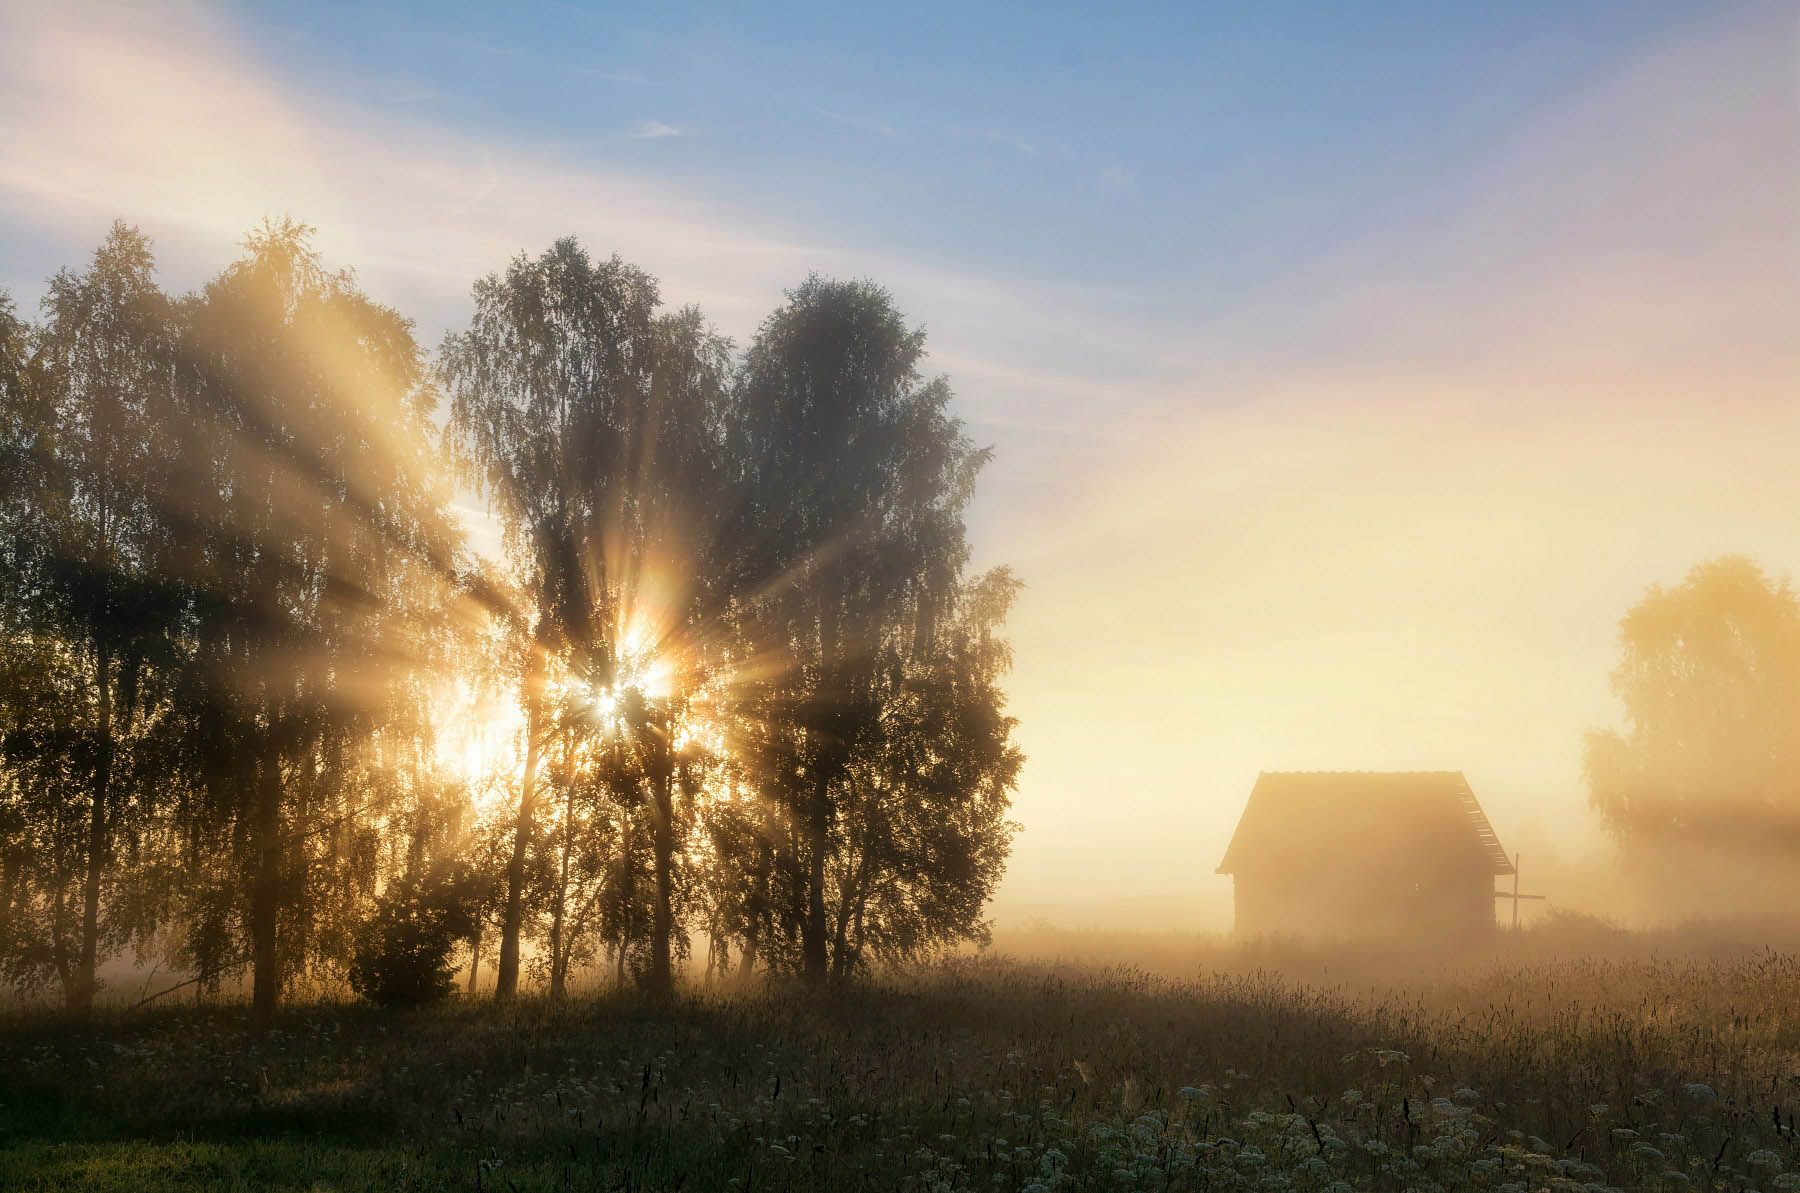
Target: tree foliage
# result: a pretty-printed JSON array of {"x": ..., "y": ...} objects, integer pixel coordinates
[
  {"x": 757, "y": 696},
  {"x": 402, "y": 957},
  {"x": 97, "y": 612},
  {"x": 1709, "y": 676}
]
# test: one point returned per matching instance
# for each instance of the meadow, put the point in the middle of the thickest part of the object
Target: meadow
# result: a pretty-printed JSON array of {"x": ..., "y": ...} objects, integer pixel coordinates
[{"x": 975, "y": 1074}]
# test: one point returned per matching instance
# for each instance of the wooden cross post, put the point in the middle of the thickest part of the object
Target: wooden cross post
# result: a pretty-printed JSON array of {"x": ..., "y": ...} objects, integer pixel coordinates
[{"x": 1514, "y": 894}]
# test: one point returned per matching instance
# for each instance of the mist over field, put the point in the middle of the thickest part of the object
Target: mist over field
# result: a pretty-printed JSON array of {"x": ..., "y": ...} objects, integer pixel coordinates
[{"x": 713, "y": 597}]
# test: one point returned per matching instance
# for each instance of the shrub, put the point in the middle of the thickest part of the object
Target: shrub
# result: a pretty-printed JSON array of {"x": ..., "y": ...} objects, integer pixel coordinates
[{"x": 403, "y": 958}]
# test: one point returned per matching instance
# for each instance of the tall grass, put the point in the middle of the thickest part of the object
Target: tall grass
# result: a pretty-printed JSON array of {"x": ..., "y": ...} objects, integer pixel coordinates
[{"x": 972, "y": 1075}]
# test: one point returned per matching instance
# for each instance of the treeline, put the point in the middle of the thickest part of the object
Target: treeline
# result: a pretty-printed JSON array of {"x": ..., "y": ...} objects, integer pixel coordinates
[{"x": 730, "y": 701}]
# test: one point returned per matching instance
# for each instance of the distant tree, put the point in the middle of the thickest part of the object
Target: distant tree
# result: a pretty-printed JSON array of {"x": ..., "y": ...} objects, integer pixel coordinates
[
  {"x": 1710, "y": 679},
  {"x": 22, "y": 427},
  {"x": 21, "y": 859},
  {"x": 41, "y": 837}
]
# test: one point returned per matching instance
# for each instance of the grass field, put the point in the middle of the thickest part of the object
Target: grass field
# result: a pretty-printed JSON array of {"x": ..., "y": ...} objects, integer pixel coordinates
[{"x": 978, "y": 1075}]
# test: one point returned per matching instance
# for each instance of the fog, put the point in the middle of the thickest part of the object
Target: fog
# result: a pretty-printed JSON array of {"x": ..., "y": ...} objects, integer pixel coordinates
[{"x": 1383, "y": 511}]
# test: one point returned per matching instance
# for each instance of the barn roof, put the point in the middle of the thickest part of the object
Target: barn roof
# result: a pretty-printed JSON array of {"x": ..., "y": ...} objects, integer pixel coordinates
[{"x": 1347, "y": 809}]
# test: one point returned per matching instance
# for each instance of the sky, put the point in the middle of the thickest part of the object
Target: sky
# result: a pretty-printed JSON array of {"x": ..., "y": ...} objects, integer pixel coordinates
[{"x": 1349, "y": 369}]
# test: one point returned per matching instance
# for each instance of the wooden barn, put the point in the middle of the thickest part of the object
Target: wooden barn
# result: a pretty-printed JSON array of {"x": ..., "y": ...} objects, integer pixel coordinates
[{"x": 1365, "y": 854}]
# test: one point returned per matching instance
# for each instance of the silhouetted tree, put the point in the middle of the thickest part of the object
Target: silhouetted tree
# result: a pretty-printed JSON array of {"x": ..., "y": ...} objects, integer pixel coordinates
[
  {"x": 100, "y": 610},
  {"x": 925, "y": 836},
  {"x": 760, "y": 697},
  {"x": 24, "y": 893},
  {"x": 403, "y": 956},
  {"x": 683, "y": 553},
  {"x": 325, "y": 573},
  {"x": 544, "y": 383},
  {"x": 857, "y": 478}
]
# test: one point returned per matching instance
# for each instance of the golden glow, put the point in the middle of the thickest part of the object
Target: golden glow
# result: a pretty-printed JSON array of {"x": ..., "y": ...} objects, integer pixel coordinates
[
  {"x": 641, "y": 664},
  {"x": 479, "y": 739},
  {"x": 642, "y": 672},
  {"x": 604, "y": 703},
  {"x": 696, "y": 735},
  {"x": 1382, "y": 508}
]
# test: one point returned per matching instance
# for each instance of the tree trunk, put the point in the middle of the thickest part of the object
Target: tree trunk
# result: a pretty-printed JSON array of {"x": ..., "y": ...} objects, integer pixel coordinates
[
  {"x": 559, "y": 949},
  {"x": 841, "y": 929},
  {"x": 475, "y": 956},
  {"x": 59, "y": 940},
  {"x": 86, "y": 982},
  {"x": 662, "y": 841},
  {"x": 756, "y": 910},
  {"x": 855, "y": 943},
  {"x": 718, "y": 956},
  {"x": 506, "y": 976},
  {"x": 815, "y": 958},
  {"x": 814, "y": 930},
  {"x": 746, "y": 968},
  {"x": 852, "y": 900},
  {"x": 627, "y": 893},
  {"x": 265, "y": 893}
]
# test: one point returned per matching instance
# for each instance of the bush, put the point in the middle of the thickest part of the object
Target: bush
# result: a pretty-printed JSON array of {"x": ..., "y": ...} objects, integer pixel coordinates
[{"x": 403, "y": 958}]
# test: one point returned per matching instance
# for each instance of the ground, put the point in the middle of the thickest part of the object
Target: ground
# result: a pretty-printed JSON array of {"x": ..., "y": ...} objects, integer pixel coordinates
[{"x": 976, "y": 1075}]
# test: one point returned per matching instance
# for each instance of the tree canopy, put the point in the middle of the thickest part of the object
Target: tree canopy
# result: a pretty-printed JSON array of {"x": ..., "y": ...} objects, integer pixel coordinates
[
  {"x": 1709, "y": 676},
  {"x": 266, "y": 714}
]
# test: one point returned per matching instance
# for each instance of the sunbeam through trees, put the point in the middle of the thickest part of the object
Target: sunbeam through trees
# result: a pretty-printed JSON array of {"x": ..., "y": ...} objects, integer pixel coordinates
[{"x": 727, "y": 700}]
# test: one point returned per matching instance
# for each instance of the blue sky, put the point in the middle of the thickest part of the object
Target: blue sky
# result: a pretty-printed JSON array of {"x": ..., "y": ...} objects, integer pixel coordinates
[
  {"x": 1350, "y": 368},
  {"x": 1186, "y": 149}
]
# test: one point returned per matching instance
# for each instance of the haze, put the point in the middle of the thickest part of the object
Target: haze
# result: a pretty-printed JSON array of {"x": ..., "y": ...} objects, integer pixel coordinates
[{"x": 1343, "y": 398}]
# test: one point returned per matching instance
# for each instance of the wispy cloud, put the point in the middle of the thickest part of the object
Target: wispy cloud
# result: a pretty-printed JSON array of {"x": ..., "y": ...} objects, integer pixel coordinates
[
  {"x": 652, "y": 130},
  {"x": 1118, "y": 177},
  {"x": 163, "y": 116}
]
